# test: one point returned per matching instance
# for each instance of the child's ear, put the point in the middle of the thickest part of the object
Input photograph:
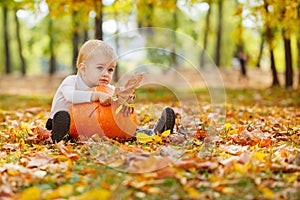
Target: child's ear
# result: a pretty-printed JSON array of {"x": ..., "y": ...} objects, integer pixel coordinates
[{"x": 82, "y": 67}]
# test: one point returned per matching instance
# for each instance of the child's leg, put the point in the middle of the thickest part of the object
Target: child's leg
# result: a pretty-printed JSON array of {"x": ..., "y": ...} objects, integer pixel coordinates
[
  {"x": 147, "y": 131},
  {"x": 60, "y": 126},
  {"x": 165, "y": 122},
  {"x": 49, "y": 124}
]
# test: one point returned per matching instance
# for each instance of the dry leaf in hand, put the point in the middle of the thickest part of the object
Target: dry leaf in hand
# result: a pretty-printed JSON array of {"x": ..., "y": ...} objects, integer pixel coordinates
[{"x": 123, "y": 94}]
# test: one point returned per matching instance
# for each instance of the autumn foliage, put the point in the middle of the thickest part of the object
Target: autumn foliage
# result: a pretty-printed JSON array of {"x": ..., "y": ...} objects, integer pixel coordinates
[{"x": 254, "y": 154}]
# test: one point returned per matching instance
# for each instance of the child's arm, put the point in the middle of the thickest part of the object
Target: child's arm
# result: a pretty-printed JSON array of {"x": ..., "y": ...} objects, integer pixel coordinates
[{"x": 71, "y": 94}]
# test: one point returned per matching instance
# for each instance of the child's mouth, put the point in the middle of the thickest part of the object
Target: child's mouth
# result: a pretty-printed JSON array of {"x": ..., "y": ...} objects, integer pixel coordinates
[{"x": 104, "y": 81}]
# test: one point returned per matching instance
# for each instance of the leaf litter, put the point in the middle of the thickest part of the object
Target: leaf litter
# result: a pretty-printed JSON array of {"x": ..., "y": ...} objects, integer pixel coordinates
[{"x": 254, "y": 155}]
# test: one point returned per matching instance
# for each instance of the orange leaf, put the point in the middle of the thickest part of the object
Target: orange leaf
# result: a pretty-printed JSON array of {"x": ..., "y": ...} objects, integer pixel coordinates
[{"x": 66, "y": 151}]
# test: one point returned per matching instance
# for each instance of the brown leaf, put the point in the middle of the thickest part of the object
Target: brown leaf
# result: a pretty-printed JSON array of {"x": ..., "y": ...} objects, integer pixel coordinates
[
  {"x": 123, "y": 94},
  {"x": 42, "y": 133},
  {"x": 66, "y": 150},
  {"x": 34, "y": 110},
  {"x": 233, "y": 149},
  {"x": 40, "y": 159},
  {"x": 165, "y": 172}
]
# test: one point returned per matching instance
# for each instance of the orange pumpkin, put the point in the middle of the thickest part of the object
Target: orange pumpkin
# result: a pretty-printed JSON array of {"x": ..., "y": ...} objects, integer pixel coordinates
[{"x": 92, "y": 118}]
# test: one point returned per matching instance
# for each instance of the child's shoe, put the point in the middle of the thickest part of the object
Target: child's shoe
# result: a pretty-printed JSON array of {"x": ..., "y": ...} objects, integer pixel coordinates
[
  {"x": 60, "y": 126},
  {"x": 166, "y": 121}
]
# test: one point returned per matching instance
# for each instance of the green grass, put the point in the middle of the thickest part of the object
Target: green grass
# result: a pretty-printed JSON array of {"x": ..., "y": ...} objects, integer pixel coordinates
[
  {"x": 15, "y": 102},
  {"x": 267, "y": 97}
]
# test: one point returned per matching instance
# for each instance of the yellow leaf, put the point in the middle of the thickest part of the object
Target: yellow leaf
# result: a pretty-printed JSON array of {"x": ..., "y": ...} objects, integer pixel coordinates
[
  {"x": 157, "y": 138},
  {"x": 25, "y": 127},
  {"x": 62, "y": 191},
  {"x": 119, "y": 109},
  {"x": 228, "y": 190},
  {"x": 227, "y": 126},
  {"x": 239, "y": 168},
  {"x": 154, "y": 190},
  {"x": 62, "y": 158},
  {"x": 260, "y": 156},
  {"x": 31, "y": 194},
  {"x": 291, "y": 178},
  {"x": 234, "y": 131},
  {"x": 100, "y": 194},
  {"x": 166, "y": 133},
  {"x": 130, "y": 105},
  {"x": 192, "y": 192},
  {"x": 146, "y": 119},
  {"x": 12, "y": 172},
  {"x": 266, "y": 192},
  {"x": 143, "y": 137}
]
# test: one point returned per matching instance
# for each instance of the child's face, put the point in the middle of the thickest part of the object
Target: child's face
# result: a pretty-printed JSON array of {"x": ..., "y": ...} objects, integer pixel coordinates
[{"x": 97, "y": 70}]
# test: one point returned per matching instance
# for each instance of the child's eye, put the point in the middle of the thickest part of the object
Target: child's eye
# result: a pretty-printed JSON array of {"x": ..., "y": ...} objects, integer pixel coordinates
[
  {"x": 111, "y": 69},
  {"x": 100, "y": 68}
]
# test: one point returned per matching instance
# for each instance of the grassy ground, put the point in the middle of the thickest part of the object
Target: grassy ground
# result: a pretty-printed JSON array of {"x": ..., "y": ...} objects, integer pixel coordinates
[
  {"x": 271, "y": 97},
  {"x": 262, "y": 165}
]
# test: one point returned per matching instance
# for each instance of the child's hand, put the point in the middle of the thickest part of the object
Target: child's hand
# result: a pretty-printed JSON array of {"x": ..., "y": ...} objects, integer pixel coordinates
[
  {"x": 105, "y": 99},
  {"x": 127, "y": 110}
]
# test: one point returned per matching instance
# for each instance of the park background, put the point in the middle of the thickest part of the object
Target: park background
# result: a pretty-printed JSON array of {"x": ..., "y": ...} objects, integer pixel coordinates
[
  {"x": 255, "y": 152},
  {"x": 43, "y": 37}
]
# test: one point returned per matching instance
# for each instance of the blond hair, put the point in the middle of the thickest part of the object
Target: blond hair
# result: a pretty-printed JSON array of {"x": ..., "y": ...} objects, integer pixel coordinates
[{"x": 89, "y": 48}]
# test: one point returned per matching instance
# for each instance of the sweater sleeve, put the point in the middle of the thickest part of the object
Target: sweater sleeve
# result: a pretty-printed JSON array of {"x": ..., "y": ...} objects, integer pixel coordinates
[{"x": 72, "y": 95}]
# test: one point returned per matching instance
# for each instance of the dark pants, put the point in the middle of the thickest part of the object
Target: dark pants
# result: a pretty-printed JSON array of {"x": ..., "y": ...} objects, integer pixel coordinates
[{"x": 49, "y": 124}]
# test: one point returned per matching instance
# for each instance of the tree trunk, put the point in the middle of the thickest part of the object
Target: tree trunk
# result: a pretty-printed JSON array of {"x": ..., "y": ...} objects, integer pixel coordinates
[
  {"x": 298, "y": 60},
  {"x": 261, "y": 48},
  {"x": 6, "y": 40},
  {"x": 205, "y": 40},
  {"x": 298, "y": 47},
  {"x": 52, "y": 63},
  {"x": 173, "y": 52},
  {"x": 98, "y": 19},
  {"x": 145, "y": 16},
  {"x": 288, "y": 63},
  {"x": 219, "y": 33},
  {"x": 116, "y": 73},
  {"x": 20, "y": 49},
  {"x": 273, "y": 68},
  {"x": 269, "y": 38},
  {"x": 85, "y": 34},
  {"x": 75, "y": 40}
]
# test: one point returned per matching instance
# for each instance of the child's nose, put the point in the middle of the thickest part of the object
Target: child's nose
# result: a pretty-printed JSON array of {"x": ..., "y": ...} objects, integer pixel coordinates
[{"x": 105, "y": 73}]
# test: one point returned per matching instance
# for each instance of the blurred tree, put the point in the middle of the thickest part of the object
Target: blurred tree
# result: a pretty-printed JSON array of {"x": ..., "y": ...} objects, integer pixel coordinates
[
  {"x": 261, "y": 48},
  {"x": 52, "y": 63},
  {"x": 284, "y": 17},
  {"x": 174, "y": 10},
  {"x": 298, "y": 60},
  {"x": 98, "y": 19},
  {"x": 288, "y": 61},
  {"x": 206, "y": 31},
  {"x": 240, "y": 46},
  {"x": 298, "y": 47},
  {"x": 79, "y": 12},
  {"x": 219, "y": 32},
  {"x": 145, "y": 12},
  {"x": 8, "y": 67},
  {"x": 75, "y": 39},
  {"x": 270, "y": 37},
  {"x": 290, "y": 24},
  {"x": 19, "y": 41}
]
